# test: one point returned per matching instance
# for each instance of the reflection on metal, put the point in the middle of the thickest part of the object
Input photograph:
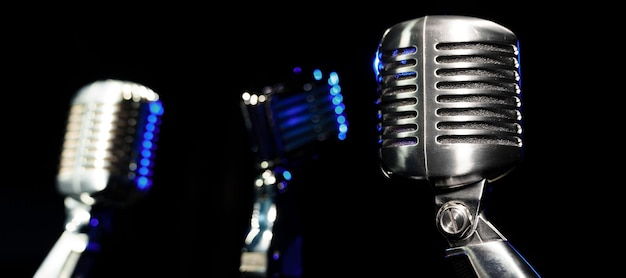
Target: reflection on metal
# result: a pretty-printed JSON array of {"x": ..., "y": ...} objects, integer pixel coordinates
[
  {"x": 106, "y": 162},
  {"x": 63, "y": 257},
  {"x": 260, "y": 233},
  {"x": 287, "y": 124},
  {"x": 450, "y": 113}
]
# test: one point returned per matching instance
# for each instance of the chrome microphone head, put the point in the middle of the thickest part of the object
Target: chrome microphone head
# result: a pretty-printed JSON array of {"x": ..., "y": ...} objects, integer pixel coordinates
[
  {"x": 110, "y": 142},
  {"x": 449, "y": 100},
  {"x": 106, "y": 162}
]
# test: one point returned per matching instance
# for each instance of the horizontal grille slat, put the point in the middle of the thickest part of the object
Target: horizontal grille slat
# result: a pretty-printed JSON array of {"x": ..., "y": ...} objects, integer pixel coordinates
[
  {"x": 401, "y": 115},
  {"x": 478, "y": 59},
  {"x": 398, "y": 142},
  {"x": 482, "y": 126},
  {"x": 483, "y": 140},
  {"x": 482, "y": 72},
  {"x": 479, "y": 85},
  {"x": 484, "y": 99},
  {"x": 479, "y": 112}
]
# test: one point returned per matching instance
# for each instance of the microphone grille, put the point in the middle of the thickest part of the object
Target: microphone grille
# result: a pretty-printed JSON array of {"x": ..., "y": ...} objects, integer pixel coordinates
[
  {"x": 478, "y": 91},
  {"x": 110, "y": 139},
  {"x": 290, "y": 120}
]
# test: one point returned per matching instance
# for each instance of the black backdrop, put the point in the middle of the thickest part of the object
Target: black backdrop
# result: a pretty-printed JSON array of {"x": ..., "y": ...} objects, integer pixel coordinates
[{"x": 199, "y": 59}]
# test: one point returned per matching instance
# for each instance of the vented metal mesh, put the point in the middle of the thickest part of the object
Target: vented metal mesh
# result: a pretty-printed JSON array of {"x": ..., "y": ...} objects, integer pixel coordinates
[{"x": 479, "y": 81}]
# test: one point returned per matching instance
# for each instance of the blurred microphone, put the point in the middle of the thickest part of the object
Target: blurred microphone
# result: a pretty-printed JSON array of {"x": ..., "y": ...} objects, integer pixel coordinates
[
  {"x": 289, "y": 124},
  {"x": 106, "y": 163},
  {"x": 449, "y": 102}
]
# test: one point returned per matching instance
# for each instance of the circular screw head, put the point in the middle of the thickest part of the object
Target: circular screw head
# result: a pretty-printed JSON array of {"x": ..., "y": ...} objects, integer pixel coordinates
[{"x": 454, "y": 219}]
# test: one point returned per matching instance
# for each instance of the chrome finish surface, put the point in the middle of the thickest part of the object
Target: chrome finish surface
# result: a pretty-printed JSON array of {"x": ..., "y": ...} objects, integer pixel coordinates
[
  {"x": 504, "y": 260},
  {"x": 259, "y": 235},
  {"x": 105, "y": 137},
  {"x": 106, "y": 162},
  {"x": 64, "y": 255},
  {"x": 288, "y": 124},
  {"x": 450, "y": 113},
  {"x": 449, "y": 100}
]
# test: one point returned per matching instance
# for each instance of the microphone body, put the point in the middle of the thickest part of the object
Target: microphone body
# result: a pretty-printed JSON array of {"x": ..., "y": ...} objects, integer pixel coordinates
[
  {"x": 288, "y": 124},
  {"x": 106, "y": 163},
  {"x": 449, "y": 104}
]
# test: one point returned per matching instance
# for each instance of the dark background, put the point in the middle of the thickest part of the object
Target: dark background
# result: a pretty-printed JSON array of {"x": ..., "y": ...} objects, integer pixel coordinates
[{"x": 199, "y": 60}]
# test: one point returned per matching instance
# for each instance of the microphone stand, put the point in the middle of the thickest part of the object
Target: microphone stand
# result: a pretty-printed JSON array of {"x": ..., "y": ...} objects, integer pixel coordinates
[
  {"x": 74, "y": 252},
  {"x": 258, "y": 237},
  {"x": 273, "y": 243},
  {"x": 477, "y": 248},
  {"x": 270, "y": 232}
]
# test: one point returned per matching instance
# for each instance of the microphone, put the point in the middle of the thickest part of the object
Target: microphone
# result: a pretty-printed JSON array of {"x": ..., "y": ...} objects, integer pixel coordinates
[
  {"x": 449, "y": 113},
  {"x": 289, "y": 124},
  {"x": 106, "y": 162}
]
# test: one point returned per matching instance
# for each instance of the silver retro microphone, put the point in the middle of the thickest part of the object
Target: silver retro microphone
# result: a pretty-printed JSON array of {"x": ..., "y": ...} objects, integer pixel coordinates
[
  {"x": 106, "y": 162},
  {"x": 289, "y": 123},
  {"x": 449, "y": 104}
]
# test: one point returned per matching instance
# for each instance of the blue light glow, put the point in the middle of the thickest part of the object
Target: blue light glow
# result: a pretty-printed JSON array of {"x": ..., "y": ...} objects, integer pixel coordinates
[
  {"x": 93, "y": 246},
  {"x": 341, "y": 136},
  {"x": 156, "y": 109},
  {"x": 294, "y": 110},
  {"x": 338, "y": 99},
  {"x": 339, "y": 109},
  {"x": 145, "y": 162},
  {"x": 333, "y": 79},
  {"x": 376, "y": 63},
  {"x": 335, "y": 89},
  {"x": 317, "y": 74},
  {"x": 405, "y": 74},
  {"x": 143, "y": 183},
  {"x": 343, "y": 128},
  {"x": 148, "y": 135},
  {"x": 313, "y": 114},
  {"x": 287, "y": 175},
  {"x": 341, "y": 119},
  {"x": 146, "y": 153},
  {"x": 519, "y": 66},
  {"x": 295, "y": 121},
  {"x": 144, "y": 171},
  {"x": 152, "y": 118}
]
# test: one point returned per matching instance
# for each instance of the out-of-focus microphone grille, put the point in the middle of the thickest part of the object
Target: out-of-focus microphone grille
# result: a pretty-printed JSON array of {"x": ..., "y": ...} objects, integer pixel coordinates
[
  {"x": 110, "y": 139},
  {"x": 448, "y": 96},
  {"x": 288, "y": 120}
]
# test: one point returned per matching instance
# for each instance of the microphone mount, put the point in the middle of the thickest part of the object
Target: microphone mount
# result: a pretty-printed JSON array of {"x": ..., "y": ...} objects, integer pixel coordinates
[{"x": 476, "y": 245}]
